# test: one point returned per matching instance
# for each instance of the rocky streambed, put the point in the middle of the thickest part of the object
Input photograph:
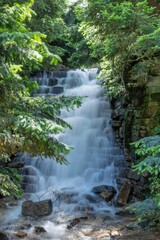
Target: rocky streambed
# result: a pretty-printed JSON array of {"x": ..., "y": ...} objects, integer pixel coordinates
[{"x": 73, "y": 216}]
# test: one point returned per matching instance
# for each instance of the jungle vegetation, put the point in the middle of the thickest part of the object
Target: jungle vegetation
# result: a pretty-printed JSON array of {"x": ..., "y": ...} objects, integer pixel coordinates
[{"x": 122, "y": 36}]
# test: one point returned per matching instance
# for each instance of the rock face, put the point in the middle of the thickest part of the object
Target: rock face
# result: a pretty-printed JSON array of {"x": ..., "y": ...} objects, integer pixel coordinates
[
  {"x": 124, "y": 194},
  {"x": 104, "y": 191},
  {"x": 37, "y": 209},
  {"x": 3, "y": 236}
]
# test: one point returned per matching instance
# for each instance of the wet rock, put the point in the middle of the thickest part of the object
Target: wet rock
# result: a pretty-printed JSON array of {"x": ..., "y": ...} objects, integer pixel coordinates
[
  {"x": 32, "y": 238},
  {"x": 68, "y": 197},
  {"x": 107, "y": 196},
  {"x": 20, "y": 234},
  {"x": 90, "y": 198},
  {"x": 98, "y": 234},
  {"x": 57, "y": 90},
  {"x": 27, "y": 208},
  {"x": 116, "y": 124},
  {"x": 53, "y": 81},
  {"x": 123, "y": 172},
  {"x": 3, "y": 236},
  {"x": 15, "y": 164},
  {"x": 25, "y": 225},
  {"x": 138, "y": 193},
  {"x": 12, "y": 204},
  {"x": 39, "y": 230},
  {"x": 76, "y": 221},
  {"x": 124, "y": 194},
  {"x": 86, "y": 209},
  {"x": 73, "y": 223},
  {"x": 133, "y": 175},
  {"x": 37, "y": 209},
  {"x": 104, "y": 191},
  {"x": 103, "y": 188},
  {"x": 42, "y": 208},
  {"x": 121, "y": 181},
  {"x": 124, "y": 213}
]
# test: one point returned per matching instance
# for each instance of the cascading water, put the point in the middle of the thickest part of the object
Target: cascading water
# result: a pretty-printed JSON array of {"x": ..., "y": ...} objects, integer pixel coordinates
[{"x": 91, "y": 162}]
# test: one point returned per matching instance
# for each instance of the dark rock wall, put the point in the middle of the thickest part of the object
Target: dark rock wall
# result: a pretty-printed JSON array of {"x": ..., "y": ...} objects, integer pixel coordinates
[{"x": 134, "y": 116}]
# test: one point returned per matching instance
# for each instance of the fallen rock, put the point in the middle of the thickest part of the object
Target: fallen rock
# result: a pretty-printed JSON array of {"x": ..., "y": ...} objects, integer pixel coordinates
[
  {"x": 37, "y": 209},
  {"x": 20, "y": 234},
  {"x": 106, "y": 192},
  {"x": 39, "y": 229},
  {"x": 3, "y": 236},
  {"x": 124, "y": 194}
]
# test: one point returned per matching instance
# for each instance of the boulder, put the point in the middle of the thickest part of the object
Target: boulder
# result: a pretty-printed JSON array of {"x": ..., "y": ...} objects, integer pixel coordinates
[
  {"x": 37, "y": 209},
  {"x": 124, "y": 194},
  {"x": 39, "y": 229},
  {"x": 107, "y": 196},
  {"x": 104, "y": 191},
  {"x": 3, "y": 236},
  {"x": 20, "y": 234},
  {"x": 27, "y": 208}
]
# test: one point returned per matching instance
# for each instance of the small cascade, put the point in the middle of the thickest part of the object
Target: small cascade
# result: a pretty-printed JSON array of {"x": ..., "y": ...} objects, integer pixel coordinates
[{"x": 93, "y": 160}]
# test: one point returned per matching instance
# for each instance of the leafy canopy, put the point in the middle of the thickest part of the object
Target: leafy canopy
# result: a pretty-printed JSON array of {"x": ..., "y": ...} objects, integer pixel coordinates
[
  {"x": 124, "y": 35},
  {"x": 28, "y": 124}
]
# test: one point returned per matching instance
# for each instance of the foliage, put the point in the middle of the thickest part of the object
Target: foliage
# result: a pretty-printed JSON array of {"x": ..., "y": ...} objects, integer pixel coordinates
[
  {"x": 28, "y": 124},
  {"x": 48, "y": 20},
  {"x": 10, "y": 182},
  {"x": 148, "y": 149},
  {"x": 125, "y": 33},
  {"x": 78, "y": 53},
  {"x": 147, "y": 209}
]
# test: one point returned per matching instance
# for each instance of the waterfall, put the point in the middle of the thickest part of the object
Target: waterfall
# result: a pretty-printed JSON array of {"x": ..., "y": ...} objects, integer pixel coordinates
[{"x": 92, "y": 161}]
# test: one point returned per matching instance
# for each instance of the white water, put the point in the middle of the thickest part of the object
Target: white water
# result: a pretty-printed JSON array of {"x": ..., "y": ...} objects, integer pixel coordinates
[{"x": 91, "y": 162}]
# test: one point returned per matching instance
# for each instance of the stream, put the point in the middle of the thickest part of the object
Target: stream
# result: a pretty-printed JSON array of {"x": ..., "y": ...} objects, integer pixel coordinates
[{"x": 78, "y": 213}]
